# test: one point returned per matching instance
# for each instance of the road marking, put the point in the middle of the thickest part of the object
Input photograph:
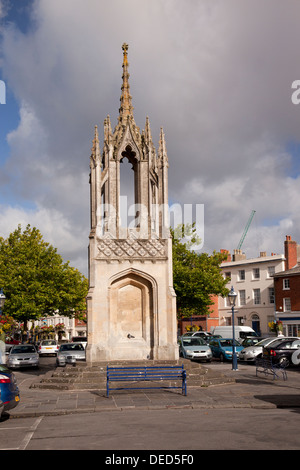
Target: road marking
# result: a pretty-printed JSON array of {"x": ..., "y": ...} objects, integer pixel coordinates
[{"x": 29, "y": 435}]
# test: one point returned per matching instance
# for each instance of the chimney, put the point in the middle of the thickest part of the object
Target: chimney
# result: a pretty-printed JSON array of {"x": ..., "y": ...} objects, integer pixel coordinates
[
  {"x": 238, "y": 255},
  {"x": 227, "y": 252},
  {"x": 290, "y": 252}
]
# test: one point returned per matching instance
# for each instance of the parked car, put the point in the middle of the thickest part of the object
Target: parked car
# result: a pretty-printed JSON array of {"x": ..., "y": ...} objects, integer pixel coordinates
[
  {"x": 80, "y": 339},
  {"x": 214, "y": 337},
  {"x": 251, "y": 341},
  {"x": 200, "y": 334},
  {"x": 222, "y": 348},
  {"x": 193, "y": 347},
  {"x": 251, "y": 353},
  {"x": 9, "y": 392},
  {"x": 70, "y": 353},
  {"x": 285, "y": 353},
  {"x": 48, "y": 346},
  {"x": 9, "y": 342},
  {"x": 22, "y": 355}
]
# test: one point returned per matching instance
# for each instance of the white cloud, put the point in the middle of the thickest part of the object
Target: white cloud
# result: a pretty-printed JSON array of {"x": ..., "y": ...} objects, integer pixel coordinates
[{"x": 216, "y": 75}]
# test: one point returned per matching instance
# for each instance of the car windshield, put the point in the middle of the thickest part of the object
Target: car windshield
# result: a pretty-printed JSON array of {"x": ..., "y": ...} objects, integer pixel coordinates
[
  {"x": 71, "y": 347},
  {"x": 28, "y": 348},
  {"x": 49, "y": 343},
  {"x": 228, "y": 342},
  {"x": 193, "y": 341}
]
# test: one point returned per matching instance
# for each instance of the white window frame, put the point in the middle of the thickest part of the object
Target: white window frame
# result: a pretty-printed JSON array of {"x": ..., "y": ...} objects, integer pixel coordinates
[
  {"x": 271, "y": 293},
  {"x": 256, "y": 273},
  {"x": 242, "y": 297},
  {"x": 271, "y": 271},
  {"x": 286, "y": 284},
  {"x": 256, "y": 297},
  {"x": 287, "y": 304}
]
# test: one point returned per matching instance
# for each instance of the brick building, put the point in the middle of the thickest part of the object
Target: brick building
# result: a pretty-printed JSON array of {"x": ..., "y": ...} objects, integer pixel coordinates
[
  {"x": 287, "y": 290},
  {"x": 205, "y": 323}
]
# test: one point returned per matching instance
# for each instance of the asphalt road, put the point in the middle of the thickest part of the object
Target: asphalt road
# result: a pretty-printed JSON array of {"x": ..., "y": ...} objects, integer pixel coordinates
[
  {"x": 177, "y": 430},
  {"x": 183, "y": 431}
]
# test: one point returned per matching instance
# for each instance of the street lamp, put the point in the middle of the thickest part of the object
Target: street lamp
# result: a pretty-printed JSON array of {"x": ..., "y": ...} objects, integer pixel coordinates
[
  {"x": 2, "y": 301},
  {"x": 2, "y": 335},
  {"x": 232, "y": 298}
]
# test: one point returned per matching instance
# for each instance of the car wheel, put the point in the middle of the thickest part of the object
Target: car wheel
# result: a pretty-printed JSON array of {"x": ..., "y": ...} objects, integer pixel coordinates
[
  {"x": 284, "y": 362},
  {"x": 222, "y": 358}
]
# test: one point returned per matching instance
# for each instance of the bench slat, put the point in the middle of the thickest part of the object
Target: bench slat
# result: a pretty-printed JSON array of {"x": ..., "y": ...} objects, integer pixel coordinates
[{"x": 146, "y": 374}]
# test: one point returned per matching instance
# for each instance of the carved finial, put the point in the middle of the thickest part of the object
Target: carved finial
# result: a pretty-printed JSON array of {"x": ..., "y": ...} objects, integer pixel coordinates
[
  {"x": 96, "y": 146},
  {"x": 126, "y": 108},
  {"x": 162, "y": 151}
]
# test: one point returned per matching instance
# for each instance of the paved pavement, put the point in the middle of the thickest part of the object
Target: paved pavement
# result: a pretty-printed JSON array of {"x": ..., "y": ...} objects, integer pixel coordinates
[{"x": 248, "y": 391}]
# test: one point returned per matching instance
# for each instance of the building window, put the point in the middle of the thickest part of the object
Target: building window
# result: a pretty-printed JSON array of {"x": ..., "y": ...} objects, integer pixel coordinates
[
  {"x": 293, "y": 330},
  {"x": 241, "y": 275},
  {"x": 287, "y": 304},
  {"x": 227, "y": 275},
  {"x": 256, "y": 296},
  {"x": 271, "y": 295},
  {"x": 286, "y": 284},
  {"x": 271, "y": 271},
  {"x": 242, "y": 297},
  {"x": 255, "y": 273}
]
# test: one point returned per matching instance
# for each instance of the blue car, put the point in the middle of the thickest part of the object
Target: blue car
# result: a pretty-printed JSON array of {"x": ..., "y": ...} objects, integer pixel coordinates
[
  {"x": 222, "y": 348},
  {"x": 9, "y": 392}
]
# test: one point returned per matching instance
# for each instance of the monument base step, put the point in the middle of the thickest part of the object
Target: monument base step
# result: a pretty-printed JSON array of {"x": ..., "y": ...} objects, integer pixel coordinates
[{"x": 83, "y": 376}]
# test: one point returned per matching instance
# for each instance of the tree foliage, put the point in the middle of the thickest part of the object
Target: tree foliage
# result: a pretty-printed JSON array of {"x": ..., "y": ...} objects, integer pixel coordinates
[
  {"x": 35, "y": 280},
  {"x": 196, "y": 276}
]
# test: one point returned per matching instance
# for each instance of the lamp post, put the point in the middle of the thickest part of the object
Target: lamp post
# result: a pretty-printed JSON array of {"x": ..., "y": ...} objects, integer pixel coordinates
[
  {"x": 2, "y": 301},
  {"x": 2, "y": 335},
  {"x": 232, "y": 298}
]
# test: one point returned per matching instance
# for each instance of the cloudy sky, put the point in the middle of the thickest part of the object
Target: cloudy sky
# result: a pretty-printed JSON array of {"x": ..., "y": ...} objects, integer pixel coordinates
[{"x": 216, "y": 74}]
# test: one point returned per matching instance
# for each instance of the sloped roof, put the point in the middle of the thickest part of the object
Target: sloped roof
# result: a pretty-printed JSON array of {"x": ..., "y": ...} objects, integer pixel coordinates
[{"x": 289, "y": 272}]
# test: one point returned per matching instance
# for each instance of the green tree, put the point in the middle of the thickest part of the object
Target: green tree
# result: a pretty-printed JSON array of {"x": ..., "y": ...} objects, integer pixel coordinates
[
  {"x": 196, "y": 276},
  {"x": 35, "y": 279}
]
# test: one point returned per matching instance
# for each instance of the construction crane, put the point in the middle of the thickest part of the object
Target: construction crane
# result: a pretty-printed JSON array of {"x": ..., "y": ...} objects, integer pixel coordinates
[{"x": 245, "y": 230}]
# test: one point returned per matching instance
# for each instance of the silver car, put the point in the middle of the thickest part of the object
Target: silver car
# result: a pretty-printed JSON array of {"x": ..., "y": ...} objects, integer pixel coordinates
[
  {"x": 193, "y": 347},
  {"x": 70, "y": 353},
  {"x": 22, "y": 355},
  {"x": 251, "y": 353}
]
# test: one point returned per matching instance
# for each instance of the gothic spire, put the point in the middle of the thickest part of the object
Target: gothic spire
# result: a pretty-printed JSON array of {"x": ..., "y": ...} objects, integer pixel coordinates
[
  {"x": 126, "y": 108},
  {"x": 162, "y": 151},
  {"x": 96, "y": 147}
]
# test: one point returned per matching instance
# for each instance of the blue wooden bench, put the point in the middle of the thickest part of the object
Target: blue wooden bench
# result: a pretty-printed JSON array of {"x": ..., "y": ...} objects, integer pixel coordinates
[
  {"x": 127, "y": 375},
  {"x": 267, "y": 367}
]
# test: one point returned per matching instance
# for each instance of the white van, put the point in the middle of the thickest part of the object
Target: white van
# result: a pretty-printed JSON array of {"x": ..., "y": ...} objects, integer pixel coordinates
[
  {"x": 80, "y": 339},
  {"x": 240, "y": 332}
]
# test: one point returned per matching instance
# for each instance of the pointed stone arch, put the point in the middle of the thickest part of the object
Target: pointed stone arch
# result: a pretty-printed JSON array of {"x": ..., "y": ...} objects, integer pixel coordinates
[{"x": 133, "y": 314}]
